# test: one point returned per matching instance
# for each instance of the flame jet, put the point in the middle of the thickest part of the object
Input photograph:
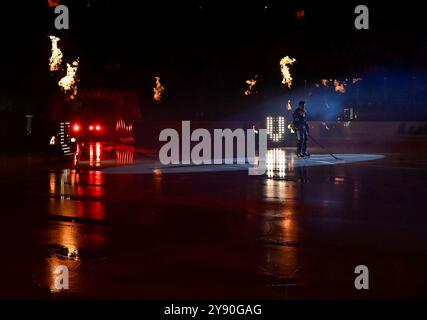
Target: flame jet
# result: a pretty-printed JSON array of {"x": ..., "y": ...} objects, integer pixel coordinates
[
  {"x": 158, "y": 90},
  {"x": 68, "y": 84},
  {"x": 55, "y": 60},
  {"x": 251, "y": 84},
  {"x": 284, "y": 66}
]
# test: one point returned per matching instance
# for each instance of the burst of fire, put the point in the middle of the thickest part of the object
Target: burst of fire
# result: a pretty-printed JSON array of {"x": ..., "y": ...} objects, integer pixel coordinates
[
  {"x": 56, "y": 57},
  {"x": 53, "y": 3},
  {"x": 325, "y": 82},
  {"x": 68, "y": 83},
  {"x": 251, "y": 84},
  {"x": 300, "y": 14},
  {"x": 339, "y": 86},
  {"x": 73, "y": 253},
  {"x": 158, "y": 90},
  {"x": 284, "y": 66},
  {"x": 289, "y": 105}
]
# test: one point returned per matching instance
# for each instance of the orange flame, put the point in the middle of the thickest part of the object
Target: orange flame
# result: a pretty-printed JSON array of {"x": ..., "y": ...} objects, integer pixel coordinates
[
  {"x": 158, "y": 90},
  {"x": 53, "y": 3},
  {"x": 287, "y": 77},
  {"x": 68, "y": 84},
  {"x": 56, "y": 57},
  {"x": 339, "y": 86},
  {"x": 300, "y": 14},
  {"x": 251, "y": 83}
]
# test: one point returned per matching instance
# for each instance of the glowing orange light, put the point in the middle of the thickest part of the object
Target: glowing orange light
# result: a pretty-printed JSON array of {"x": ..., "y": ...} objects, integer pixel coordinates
[
  {"x": 300, "y": 14},
  {"x": 55, "y": 60},
  {"x": 53, "y": 3},
  {"x": 284, "y": 66},
  {"x": 251, "y": 83},
  {"x": 98, "y": 128},
  {"x": 90, "y": 128},
  {"x": 68, "y": 84},
  {"x": 158, "y": 90},
  {"x": 76, "y": 127},
  {"x": 339, "y": 86}
]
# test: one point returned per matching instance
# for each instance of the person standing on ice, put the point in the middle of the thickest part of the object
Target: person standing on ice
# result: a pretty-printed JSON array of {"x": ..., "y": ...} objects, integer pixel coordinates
[{"x": 301, "y": 128}]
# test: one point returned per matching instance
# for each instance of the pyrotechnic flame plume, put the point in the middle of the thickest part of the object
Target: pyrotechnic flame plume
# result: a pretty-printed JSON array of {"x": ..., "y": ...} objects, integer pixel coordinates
[
  {"x": 251, "y": 83},
  {"x": 339, "y": 86},
  {"x": 53, "y": 3},
  {"x": 68, "y": 84},
  {"x": 56, "y": 57},
  {"x": 284, "y": 65},
  {"x": 158, "y": 90}
]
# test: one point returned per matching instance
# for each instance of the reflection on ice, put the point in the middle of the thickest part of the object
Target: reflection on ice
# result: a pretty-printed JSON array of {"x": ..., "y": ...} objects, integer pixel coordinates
[
  {"x": 96, "y": 155},
  {"x": 64, "y": 254},
  {"x": 66, "y": 180},
  {"x": 68, "y": 191},
  {"x": 125, "y": 155},
  {"x": 72, "y": 195},
  {"x": 276, "y": 163}
]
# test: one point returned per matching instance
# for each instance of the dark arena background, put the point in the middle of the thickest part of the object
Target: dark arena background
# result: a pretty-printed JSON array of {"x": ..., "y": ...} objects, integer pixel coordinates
[{"x": 91, "y": 209}]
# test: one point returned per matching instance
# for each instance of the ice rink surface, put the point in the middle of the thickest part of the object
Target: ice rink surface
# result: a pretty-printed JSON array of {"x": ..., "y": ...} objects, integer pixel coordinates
[{"x": 296, "y": 232}]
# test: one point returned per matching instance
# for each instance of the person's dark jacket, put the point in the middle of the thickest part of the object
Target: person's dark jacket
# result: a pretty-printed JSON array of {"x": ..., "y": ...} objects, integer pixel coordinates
[{"x": 299, "y": 120}]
